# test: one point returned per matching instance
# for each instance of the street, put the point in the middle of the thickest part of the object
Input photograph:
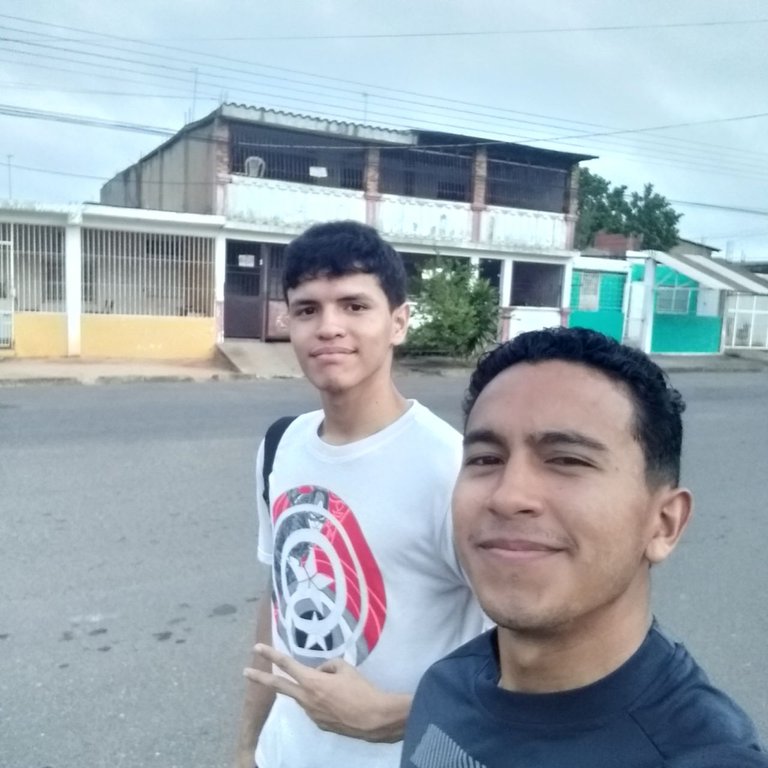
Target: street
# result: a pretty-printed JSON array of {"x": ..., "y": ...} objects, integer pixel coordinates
[{"x": 129, "y": 572}]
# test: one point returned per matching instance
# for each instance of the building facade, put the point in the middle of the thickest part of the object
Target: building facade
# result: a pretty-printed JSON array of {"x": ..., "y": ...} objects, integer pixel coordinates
[{"x": 509, "y": 208}]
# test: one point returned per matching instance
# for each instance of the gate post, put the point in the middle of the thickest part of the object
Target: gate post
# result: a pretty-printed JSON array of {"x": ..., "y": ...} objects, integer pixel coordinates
[{"x": 73, "y": 290}]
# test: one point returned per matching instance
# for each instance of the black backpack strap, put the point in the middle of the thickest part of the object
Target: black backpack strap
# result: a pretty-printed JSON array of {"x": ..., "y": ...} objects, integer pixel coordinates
[{"x": 272, "y": 438}]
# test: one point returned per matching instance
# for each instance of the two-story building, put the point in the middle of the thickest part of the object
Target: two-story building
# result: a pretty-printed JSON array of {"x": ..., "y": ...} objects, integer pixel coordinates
[
  {"x": 187, "y": 243},
  {"x": 510, "y": 208}
]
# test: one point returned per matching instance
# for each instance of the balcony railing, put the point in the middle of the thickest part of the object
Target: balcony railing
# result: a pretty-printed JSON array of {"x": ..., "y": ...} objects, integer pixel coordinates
[{"x": 291, "y": 207}]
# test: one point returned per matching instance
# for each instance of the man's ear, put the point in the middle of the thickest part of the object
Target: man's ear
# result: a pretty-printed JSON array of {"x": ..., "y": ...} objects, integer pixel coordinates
[
  {"x": 400, "y": 318},
  {"x": 673, "y": 511}
]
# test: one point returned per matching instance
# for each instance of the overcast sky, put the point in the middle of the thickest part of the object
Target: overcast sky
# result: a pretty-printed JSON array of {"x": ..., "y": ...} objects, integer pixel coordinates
[{"x": 587, "y": 76}]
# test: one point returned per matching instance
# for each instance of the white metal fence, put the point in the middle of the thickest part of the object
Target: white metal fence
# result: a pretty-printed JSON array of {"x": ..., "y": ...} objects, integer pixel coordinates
[
  {"x": 37, "y": 268},
  {"x": 140, "y": 273},
  {"x": 746, "y": 321}
]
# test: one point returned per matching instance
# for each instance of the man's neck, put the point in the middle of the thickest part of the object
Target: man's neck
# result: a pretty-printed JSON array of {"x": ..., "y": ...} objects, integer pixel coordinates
[
  {"x": 571, "y": 658},
  {"x": 355, "y": 414}
]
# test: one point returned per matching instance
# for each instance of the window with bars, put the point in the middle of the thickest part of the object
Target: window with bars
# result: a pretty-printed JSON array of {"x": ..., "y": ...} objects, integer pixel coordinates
[
  {"x": 517, "y": 185},
  {"x": 141, "y": 273},
  {"x": 673, "y": 300},
  {"x": 435, "y": 175},
  {"x": 589, "y": 292},
  {"x": 286, "y": 155}
]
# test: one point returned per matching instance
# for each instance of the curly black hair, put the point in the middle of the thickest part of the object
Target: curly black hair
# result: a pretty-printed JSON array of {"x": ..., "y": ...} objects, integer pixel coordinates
[
  {"x": 658, "y": 406},
  {"x": 338, "y": 248}
]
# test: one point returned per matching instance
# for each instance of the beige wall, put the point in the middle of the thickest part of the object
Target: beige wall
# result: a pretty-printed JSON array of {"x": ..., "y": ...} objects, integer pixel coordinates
[
  {"x": 143, "y": 337},
  {"x": 40, "y": 334}
]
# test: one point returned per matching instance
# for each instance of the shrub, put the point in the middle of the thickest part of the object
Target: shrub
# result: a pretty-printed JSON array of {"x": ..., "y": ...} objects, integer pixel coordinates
[{"x": 457, "y": 312}]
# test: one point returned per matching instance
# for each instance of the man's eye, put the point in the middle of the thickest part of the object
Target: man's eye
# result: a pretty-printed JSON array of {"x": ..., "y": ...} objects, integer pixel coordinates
[
  {"x": 483, "y": 460},
  {"x": 303, "y": 311},
  {"x": 355, "y": 307},
  {"x": 569, "y": 461}
]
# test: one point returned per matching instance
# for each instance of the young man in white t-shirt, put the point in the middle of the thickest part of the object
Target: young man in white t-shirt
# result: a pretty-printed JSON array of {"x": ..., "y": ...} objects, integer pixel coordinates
[{"x": 365, "y": 591}]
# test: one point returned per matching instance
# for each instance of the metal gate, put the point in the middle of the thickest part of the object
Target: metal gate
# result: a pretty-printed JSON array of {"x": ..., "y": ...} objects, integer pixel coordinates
[{"x": 7, "y": 292}]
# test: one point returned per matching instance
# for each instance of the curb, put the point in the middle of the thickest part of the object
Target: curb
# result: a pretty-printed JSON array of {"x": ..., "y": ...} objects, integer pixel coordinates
[{"x": 20, "y": 382}]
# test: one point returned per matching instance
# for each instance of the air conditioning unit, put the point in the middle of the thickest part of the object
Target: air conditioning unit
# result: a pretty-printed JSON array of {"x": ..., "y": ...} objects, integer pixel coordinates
[{"x": 255, "y": 166}]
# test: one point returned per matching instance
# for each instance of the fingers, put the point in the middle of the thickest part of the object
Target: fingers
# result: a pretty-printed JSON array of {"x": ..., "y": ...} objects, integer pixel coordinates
[
  {"x": 278, "y": 683},
  {"x": 290, "y": 666}
]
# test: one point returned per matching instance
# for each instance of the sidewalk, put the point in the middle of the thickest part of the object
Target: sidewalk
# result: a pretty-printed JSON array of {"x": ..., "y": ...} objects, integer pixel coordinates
[{"x": 14, "y": 371}]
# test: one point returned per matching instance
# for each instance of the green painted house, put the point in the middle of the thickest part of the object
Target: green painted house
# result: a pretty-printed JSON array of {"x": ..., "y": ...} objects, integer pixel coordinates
[{"x": 598, "y": 299}]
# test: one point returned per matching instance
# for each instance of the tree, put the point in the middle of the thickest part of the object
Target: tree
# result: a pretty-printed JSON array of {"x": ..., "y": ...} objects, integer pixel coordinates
[
  {"x": 649, "y": 215},
  {"x": 458, "y": 311},
  {"x": 653, "y": 219}
]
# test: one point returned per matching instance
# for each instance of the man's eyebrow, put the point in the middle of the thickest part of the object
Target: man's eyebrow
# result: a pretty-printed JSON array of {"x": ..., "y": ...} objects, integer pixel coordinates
[
  {"x": 347, "y": 298},
  {"x": 567, "y": 437},
  {"x": 354, "y": 297},
  {"x": 482, "y": 436}
]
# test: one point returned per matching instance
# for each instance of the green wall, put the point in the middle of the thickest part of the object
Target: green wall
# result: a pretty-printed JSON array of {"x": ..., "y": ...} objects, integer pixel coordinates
[
  {"x": 677, "y": 333},
  {"x": 608, "y": 318},
  {"x": 686, "y": 333}
]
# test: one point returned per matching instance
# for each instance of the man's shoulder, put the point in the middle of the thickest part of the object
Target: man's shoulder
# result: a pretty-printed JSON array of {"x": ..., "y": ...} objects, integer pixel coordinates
[
  {"x": 430, "y": 426},
  {"x": 467, "y": 658},
  {"x": 684, "y": 714}
]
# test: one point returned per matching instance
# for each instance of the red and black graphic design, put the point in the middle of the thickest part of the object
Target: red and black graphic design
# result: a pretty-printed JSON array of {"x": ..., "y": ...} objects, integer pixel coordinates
[{"x": 328, "y": 593}]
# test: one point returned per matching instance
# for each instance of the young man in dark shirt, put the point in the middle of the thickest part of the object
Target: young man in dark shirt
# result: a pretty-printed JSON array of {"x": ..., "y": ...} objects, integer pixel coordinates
[{"x": 567, "y": 496}]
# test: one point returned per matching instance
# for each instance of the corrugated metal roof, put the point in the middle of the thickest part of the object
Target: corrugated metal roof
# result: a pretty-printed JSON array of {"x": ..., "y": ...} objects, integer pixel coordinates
[{"x": 712, "y": 274}]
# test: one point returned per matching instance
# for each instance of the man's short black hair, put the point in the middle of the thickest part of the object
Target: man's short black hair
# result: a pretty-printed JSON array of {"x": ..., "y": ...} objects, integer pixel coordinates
[
  {"x": 657, "y": 405},
  {"x": 339, "y": 248}
]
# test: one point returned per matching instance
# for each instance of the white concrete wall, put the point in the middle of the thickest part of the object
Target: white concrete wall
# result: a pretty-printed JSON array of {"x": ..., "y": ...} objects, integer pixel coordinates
[
  {"x": 288, "y": 207},
  {"x": 518, "y": 228},
  {"x": 413, "y": 218},
  {"x": 520, "y": 319}
]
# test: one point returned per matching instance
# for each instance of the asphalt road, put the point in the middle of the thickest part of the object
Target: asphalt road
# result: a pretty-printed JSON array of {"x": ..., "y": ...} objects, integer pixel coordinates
[{"x": 129, "y": 574}]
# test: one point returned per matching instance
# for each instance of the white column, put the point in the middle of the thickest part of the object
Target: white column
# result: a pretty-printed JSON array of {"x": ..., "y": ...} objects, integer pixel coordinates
[
  {"x": 505, "y": 294},
  {"x": 649, "y": 304},
  {"x": 73, "y": 289},
  {"x": 219, "y": 272},
  {"x": 565, "y": 299}
]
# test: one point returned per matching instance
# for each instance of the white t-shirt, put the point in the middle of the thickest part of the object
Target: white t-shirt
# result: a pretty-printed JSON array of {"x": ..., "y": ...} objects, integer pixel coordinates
[{"x": 363, "y": 568}]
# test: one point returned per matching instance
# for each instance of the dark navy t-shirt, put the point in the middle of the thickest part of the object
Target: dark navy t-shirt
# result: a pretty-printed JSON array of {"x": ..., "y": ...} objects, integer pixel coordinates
[{"x": 658, "y": 710}]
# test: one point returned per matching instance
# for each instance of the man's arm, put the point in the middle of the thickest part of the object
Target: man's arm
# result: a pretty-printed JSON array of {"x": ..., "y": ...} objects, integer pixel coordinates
[
  {"x": 336, "y": 696},
  {"x": 258, "y": 698}
]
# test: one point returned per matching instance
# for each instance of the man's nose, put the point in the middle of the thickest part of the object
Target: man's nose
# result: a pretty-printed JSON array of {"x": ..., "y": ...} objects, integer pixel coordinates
[
  {"x": 518, "y": 490},
  {"x": 331, "y": 325}
]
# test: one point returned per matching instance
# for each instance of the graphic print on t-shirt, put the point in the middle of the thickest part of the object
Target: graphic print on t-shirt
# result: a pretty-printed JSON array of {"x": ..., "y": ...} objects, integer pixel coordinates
[{"x": 328, "y": 592}]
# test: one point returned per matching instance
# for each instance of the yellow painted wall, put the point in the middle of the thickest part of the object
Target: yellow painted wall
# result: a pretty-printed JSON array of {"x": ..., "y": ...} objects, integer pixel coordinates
[
  {"x": 138, "y": 336},
  {"x": 39, "y": 334}
]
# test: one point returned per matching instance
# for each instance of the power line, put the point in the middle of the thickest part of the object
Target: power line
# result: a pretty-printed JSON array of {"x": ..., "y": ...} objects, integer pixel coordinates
[
  {"x": 23, "y": 112},
  {"x": 486, "y": 33},
  {"x": 466, "y": 33},
  {"x": 729, "y": 208},
  {"x": 420, "y": 103},
  {"x": 694, "y": 161}
]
